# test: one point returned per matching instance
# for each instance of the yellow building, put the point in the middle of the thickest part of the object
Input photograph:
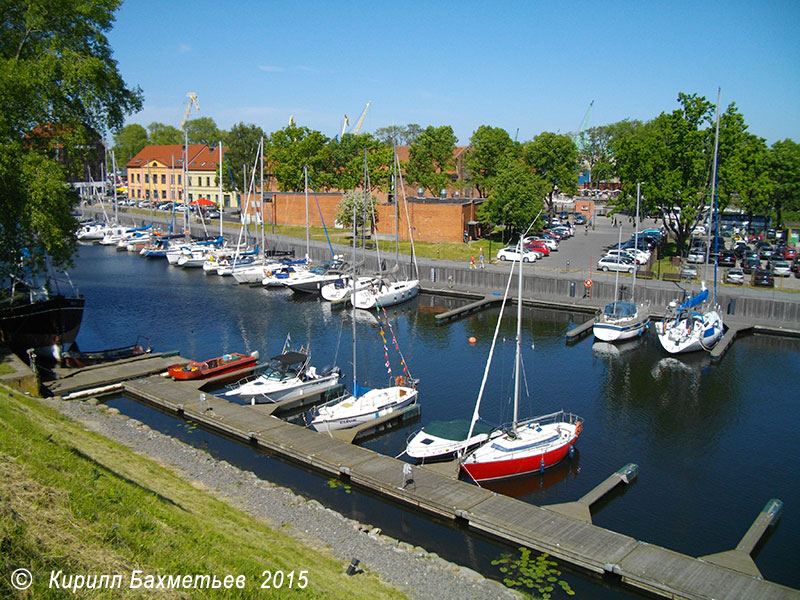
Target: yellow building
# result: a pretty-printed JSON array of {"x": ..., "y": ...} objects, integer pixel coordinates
[{"x": 202, "y": 179}]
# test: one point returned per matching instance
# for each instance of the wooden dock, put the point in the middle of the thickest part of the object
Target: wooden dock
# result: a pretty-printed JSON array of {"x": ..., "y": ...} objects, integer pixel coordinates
[
  {"x": 457, "y": 313},
  {"x": 553, "y": 530},
  {"x": 580, "y": 329}
]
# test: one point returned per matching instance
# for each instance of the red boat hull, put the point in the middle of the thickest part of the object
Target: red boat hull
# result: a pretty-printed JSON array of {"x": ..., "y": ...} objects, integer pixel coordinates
[
  {"x": 214, "y": 367},
  {"x": 502, "y": 469}
]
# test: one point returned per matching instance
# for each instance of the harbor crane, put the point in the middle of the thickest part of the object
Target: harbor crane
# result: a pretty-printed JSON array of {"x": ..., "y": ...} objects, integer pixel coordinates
[
  {"x": 192, "y": 100},
  {"x": 578, "y": 139},
  {"x": 360, "y": 122}
]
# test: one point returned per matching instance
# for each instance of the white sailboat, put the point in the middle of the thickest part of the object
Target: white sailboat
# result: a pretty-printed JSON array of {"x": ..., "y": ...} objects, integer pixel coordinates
[
  {"x": 383, "y": 291},
  {"x": 696, "y": 324},
  {"x": 363, "y": 404},
  {"x": 623, "y": 320},
  {"x": 524, "y": 446}
]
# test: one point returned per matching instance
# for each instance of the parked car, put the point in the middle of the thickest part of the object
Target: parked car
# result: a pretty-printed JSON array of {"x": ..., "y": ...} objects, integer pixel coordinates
[
  {"x": 726, "y": 258},
  {"x": 765, "y": 250},
  {"x": 750, "y": 264},
  {"x": 789, "y": 253},
  {"x": 580, "y": 219},
  {"x": 510, "y": 253},
  {"x": 688, "y": 272},
  {"x": 762, "y": 277},
  {"x": 538, "y": 246},
  {"x": 735, "y": 275},
  {"x": 697, "y": 254},
  {"x": 780, "y": 268},
  {"x": 616, "y": 263}
]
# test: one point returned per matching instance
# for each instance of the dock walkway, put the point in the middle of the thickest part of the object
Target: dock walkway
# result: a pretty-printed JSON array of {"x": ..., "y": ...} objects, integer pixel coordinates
[{"x": 573, "y": 540}]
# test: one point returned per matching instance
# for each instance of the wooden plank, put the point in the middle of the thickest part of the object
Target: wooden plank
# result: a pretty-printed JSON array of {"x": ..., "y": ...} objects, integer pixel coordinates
[
  {"x": 107, "y": 374},
  {"x": 569, "y": 539},
  {"x": 671, "y": 574}
]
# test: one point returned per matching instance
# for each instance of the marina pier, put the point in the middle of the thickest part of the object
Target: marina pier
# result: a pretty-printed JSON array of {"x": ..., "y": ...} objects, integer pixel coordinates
[{"x": 573, "y": 540}]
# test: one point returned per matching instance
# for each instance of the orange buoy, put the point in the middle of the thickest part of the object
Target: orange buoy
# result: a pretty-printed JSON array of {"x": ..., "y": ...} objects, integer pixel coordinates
[{"x": 472, "y": 339}]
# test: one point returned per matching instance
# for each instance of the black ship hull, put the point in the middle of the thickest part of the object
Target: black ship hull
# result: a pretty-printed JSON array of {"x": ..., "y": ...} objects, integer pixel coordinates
[{"x": 47, "y": 325}]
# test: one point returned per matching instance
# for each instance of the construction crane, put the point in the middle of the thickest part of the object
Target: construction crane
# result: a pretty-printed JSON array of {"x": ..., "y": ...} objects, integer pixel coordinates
[
  {"x": 360, "y": 121},
  {"x": 578, "y": 139},
  {"x": 192, "y": 100},
  {"x": 344, "y": 126}
]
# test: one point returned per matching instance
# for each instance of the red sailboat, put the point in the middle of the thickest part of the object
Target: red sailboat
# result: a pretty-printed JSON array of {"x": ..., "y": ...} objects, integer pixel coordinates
[
  {"x": 222, "y": 365},
  {"x": 525, "y": 446}
]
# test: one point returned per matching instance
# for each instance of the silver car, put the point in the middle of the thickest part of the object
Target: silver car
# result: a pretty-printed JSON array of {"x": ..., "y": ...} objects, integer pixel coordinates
[{"x": 735, "y": 276}]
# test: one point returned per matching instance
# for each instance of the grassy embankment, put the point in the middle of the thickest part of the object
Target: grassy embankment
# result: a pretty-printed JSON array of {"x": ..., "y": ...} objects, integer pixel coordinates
[{"x": 74, "y": 501}]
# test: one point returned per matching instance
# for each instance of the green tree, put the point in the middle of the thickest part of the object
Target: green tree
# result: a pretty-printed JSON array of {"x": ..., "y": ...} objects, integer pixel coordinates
[
  {"x": 290, "y": 149},
  {"x": 672, "y": 156},
  {"x": 517, "y": 196},
  {"x": 784, "y": 173},
  {"x": 363, "y": 206},
  {"x": 128, "y": 142},
  {"x": 554, "y": 158},
  {"x": 489, "y": 149},
  {"x": 345, "y": 162},
  {"x": 164, "y": 135},
  {"x": 241, "y": 144},
  {"x": 431, "y": 158},
  {"x": 393, "y": 135},
  {"x": 59, "y": 89},
  {"x": 413, "y": 131},
  {"x": 203, "y": 131}
]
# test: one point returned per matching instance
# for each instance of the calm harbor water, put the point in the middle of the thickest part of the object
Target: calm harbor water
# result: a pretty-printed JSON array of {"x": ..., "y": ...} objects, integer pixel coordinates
[{"x": 712, "y": 441}]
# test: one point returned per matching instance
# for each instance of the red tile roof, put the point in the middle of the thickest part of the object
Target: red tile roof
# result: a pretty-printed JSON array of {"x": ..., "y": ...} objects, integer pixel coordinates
[{"x": 165, "y": 155}]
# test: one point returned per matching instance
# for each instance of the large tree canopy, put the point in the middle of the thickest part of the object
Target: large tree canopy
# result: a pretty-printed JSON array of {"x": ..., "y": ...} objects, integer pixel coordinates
[
  {"x": 554, "y": 158},
  {"x": 431, "y": 158},
  {"x": 128, "y": 142},
  {"x": 59, "y": 89},
  {"x": 672, "y": 156},
  {"x": 490, "y": 148}
]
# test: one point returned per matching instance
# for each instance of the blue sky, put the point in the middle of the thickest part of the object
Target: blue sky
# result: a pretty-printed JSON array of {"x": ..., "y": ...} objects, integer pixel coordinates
[{"x": 527, "y": 66}]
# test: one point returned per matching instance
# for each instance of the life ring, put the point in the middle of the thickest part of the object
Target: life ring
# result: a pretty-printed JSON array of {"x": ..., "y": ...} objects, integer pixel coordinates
[
  {"x": 588, "y": 283},
  {"x": 399, "y": 381}
]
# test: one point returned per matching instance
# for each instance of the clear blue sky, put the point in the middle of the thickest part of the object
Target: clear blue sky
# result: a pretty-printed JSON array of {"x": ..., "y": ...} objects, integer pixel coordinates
[{"x": 529, "y": 65}]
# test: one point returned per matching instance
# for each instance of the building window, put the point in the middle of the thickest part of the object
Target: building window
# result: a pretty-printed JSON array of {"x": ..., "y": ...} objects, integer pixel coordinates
[
  {"x": 163, "y": 178},
  {"x": 208, "y": 182},
  {"x": 146, "y": 178},
  {"x": 188, "y": 181},
  {"x": 179, "y": 178},
  {"x": 190, "y": 197}
]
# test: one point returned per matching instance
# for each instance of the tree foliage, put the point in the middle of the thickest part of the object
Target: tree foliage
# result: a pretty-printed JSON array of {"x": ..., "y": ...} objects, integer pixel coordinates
[
  {"x": 128, "y": 142},
  {"x": 784, "y": 172},
  {"x": 554, "y": 158},
  {"x": 290, "y": 149},
  {"x": 672, "y": 156},
  {"x": 516, "y": 198},
  {"x": 363, "y": 204},
  {"x": 159, "y": 134},
  {"x": 490, "y": 149},
  {"x": 241, "y": 144},
  {"x": 59, "y": 89},
  {"x": 203, "y": 130},
  {"x": 431, "y": 158}
]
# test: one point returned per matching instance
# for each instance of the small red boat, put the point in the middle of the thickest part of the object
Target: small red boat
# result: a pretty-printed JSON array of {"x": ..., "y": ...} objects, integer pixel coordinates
[{"x": 222, "y": 365}]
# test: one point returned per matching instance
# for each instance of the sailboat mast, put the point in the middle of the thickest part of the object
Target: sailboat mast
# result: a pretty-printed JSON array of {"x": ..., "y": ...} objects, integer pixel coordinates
[
  {"x": 261, "y": 188},
  {"x": 712, "y": 207},
  {"x": 186, "y": 223},
  {"x": 518, "y": 356},
  {"x": 636, "y": 240},
  {"x": 353, "y": 302},
  {"x": 616, "y": 273},
  {"x": 220, "y": 189},
  {"x": 308, "y": 239},
  {"x": 114, "y": 183}
]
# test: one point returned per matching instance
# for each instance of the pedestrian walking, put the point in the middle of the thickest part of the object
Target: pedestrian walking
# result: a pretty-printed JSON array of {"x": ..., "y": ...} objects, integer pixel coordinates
[
  {"x": 472, "y": 262},
  {"x": 466, "y": 237},
  {"x": 482, "y": 259}
]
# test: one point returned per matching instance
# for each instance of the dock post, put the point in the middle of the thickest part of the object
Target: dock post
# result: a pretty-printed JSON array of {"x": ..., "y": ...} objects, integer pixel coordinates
[
  {"x": 739, "y": 558},
  {"x": 580, "y": 509}
]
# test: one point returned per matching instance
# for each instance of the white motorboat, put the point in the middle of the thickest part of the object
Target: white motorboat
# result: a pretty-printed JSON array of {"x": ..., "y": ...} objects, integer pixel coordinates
[{"x": 288, "y": 376}]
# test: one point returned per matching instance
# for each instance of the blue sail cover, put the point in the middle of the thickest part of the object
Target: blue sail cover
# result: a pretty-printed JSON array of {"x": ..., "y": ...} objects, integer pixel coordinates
[
  {"x": 695, "y": 300},
  {"x": 620, "y": 310},
  {"x": 359, "y": 390}
]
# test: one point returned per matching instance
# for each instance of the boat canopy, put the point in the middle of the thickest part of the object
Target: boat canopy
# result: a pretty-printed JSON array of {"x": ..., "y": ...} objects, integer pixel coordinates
[
  {"x": 695, "y": 300},
  {"x": 290, "y": 358},
  {"x": 620, "y": 310}
]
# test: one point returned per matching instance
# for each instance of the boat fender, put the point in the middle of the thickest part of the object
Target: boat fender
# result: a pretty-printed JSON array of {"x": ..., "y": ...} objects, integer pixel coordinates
[
  {"x": 541, "y": 465},
  {"x": 399, "y": 380},
  {"x": 571, "y": 451}
]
